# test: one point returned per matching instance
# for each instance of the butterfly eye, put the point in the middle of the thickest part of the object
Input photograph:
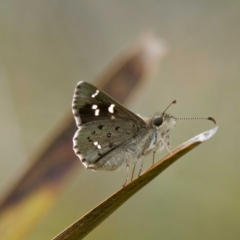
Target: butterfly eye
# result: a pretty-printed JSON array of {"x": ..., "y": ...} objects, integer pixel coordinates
[{"x": 158, "y": 121}]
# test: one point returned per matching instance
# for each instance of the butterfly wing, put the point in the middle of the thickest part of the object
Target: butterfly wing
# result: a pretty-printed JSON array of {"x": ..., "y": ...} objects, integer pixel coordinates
[
  {"x": 93, "y": 142},
  {"x": 91, "y": 104},
  {"x": 104, "y": 125}
]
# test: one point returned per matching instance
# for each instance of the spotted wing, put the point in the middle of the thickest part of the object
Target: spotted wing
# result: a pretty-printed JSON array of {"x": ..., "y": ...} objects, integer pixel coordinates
[
  {"x": 91, "y": 104},
  {"x": 104, "y": 126},
  {"x": 93, "y": 142}
]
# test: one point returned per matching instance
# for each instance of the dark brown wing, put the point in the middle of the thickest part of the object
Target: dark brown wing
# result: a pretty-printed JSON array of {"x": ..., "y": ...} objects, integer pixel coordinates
[{"x": 91, "y": 104}]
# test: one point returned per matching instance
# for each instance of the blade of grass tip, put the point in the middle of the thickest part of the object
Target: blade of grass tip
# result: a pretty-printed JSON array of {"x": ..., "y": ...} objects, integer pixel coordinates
[
  {"x": 91, "y": 220},
  {"x": 39, "y": 186}
]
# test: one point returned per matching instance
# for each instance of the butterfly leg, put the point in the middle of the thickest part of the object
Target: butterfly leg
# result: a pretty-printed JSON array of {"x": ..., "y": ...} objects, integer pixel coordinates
[
  {"x": 141, "y": 167},
  {"x": 167, "y": 145},
  {"x": 134, "y": 166},
  {"x": 127, "y": 174},
  {"x": 153, "y": 157}
]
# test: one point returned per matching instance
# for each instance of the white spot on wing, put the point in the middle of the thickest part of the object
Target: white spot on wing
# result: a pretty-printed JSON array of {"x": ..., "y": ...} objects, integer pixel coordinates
[
  {"x": 95, "y": 94},
  {"x": 99, "y": 146},
  {"x": 97, "y": 112},
  {"x": 111, "y": 108},
  {"x": 94, "y": 106},
  {"x": 95, "y": 143}
]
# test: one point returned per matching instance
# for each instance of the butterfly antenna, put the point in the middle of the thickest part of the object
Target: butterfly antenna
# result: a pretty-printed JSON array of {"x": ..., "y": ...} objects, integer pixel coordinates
[
  {"x": 173, "y": 102},
  {"x": 196, "y": 118}
]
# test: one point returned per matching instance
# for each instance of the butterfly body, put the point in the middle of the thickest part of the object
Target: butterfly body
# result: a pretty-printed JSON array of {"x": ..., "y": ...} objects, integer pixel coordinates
[{"x": 109, "y": 134}]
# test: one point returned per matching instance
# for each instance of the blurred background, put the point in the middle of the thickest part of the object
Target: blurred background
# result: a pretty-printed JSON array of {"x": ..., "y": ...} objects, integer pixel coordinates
[{"x": 46, "y": 47}]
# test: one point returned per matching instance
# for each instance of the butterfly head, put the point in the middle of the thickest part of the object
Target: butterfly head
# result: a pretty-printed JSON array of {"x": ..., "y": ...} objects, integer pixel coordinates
[{"x": 164, "y": 122}]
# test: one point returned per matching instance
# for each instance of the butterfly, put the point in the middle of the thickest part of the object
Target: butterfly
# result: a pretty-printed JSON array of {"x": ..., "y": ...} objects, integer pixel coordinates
[{"x": 109, "y": 134}]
